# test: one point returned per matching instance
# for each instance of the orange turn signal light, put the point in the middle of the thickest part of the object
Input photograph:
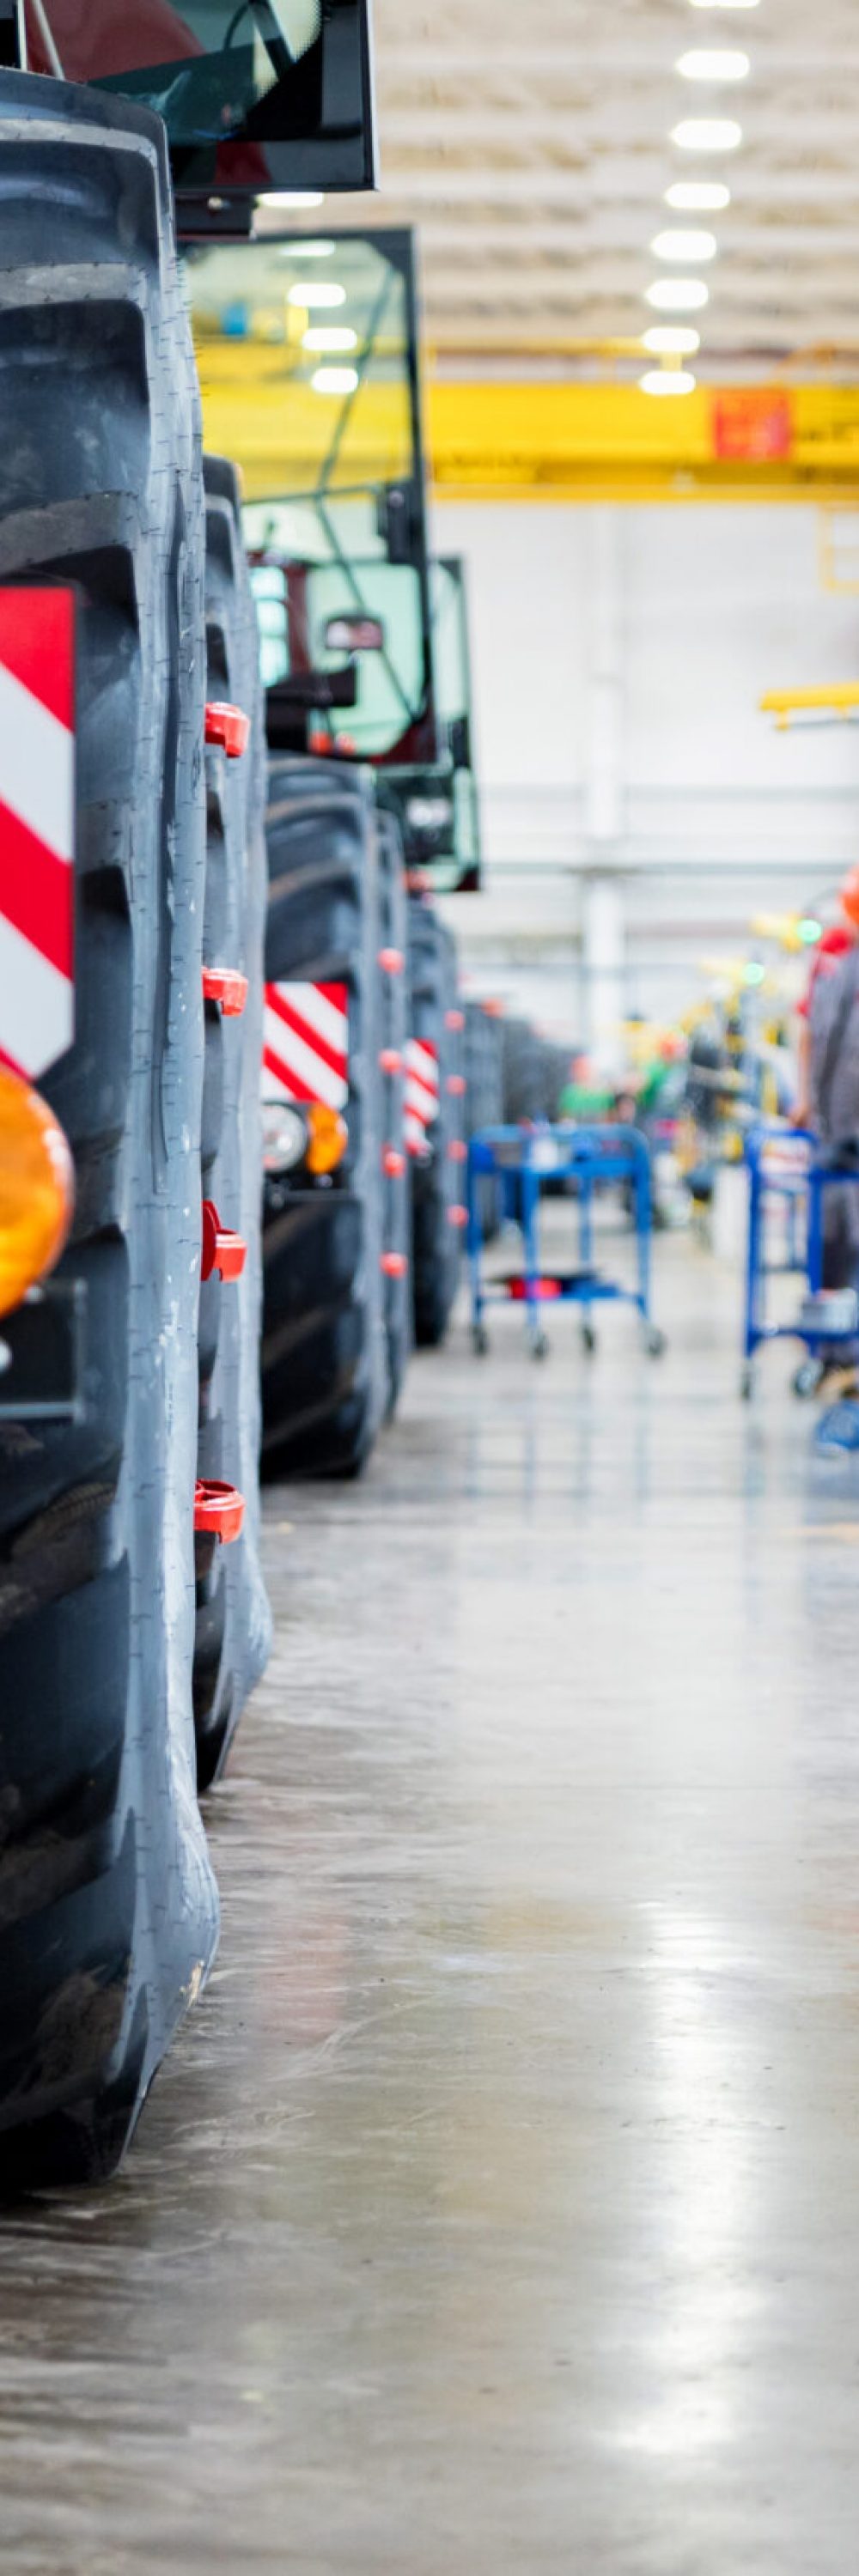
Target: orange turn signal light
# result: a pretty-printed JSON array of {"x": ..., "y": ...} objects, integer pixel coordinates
[
  {"x": 36, "y": 1189},
  {"x": 328, "y": 1137}
]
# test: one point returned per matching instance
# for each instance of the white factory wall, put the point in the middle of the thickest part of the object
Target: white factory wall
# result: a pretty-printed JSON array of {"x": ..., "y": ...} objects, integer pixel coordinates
[{"x": 619, "y": 657}]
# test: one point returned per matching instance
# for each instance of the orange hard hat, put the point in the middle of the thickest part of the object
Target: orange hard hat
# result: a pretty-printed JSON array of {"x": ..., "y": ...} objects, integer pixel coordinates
[{"x": 849, "y": 898}]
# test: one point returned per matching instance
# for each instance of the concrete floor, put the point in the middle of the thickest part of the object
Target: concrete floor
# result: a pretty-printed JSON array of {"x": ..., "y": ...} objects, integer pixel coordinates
[{"x": 499, "y": 2210}]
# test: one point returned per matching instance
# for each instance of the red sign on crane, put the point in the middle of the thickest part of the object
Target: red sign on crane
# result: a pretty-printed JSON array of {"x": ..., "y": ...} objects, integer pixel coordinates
[{"x": 752, "y": 426}]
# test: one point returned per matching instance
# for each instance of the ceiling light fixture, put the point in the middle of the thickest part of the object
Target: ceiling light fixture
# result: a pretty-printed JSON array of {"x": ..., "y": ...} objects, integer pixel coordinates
[
  {"x": 329, "y": 336},
  {"x": 671, "y": 340},
  {"x": 684, "y": 247},
  {"x": 698, "y": 196},
  {"x": 335, "y": 380},
  {"x": 678, "y": 294},
  {"x": 707, "y": 134},
  {"x": 307, "y": 250},
  {"x": 667, "y": 380},
  {"x": 319, "y": 296},
  {"x": 721, "y": 65}
]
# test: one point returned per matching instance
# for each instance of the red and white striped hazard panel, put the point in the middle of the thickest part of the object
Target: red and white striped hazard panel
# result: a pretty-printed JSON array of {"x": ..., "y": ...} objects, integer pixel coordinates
[
  {"x": 422, "y": 1093},
  {"x": 306, "y": 1043},
  {"x": 37, "y": 827}
]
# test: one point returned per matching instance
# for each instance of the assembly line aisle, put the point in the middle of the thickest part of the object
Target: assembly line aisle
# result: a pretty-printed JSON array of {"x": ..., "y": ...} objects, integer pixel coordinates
[{"x": 499, "y": 2212}]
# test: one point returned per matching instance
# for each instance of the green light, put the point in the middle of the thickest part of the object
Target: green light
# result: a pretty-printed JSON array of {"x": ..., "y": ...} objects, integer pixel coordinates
[
  {"x": 753, "y": 974},
  {"x": 809, "y": 932}
]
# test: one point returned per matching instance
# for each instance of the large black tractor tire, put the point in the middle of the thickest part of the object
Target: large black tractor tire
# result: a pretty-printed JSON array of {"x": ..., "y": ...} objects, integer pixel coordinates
[
  {"x": 324, "y": 1358},
  {"x": 108, "y": 1910},
  {"x": 393, "y": 1027},
  {"x": 554, "y": 1063},
  {"x": 438, "y": 1174},
  {"x": 484, "y": 1103},
  {"x": 522, "y": 1073},
  {"x": 233, "y": 1632}
]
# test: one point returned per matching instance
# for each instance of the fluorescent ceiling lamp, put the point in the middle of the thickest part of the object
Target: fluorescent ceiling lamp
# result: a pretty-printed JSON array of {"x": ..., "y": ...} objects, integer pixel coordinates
[
  {"x": 698, "y": 196},
  {"x": 292, "y": 197},
  {"x": 311, "y": 295},
  {"x": 329, "y": 336},
  {"x": 684, "y": 246},
  {"x": 307, "y": 250},
  {"x": 335, "y": 380},
  {"x": 707, "y": 134},
  {"x": 671, "y": 340},
  {"x": 667, "y": 380},
  {"x": 678, "y": 294},
  {"x": 721, "y": 65}
]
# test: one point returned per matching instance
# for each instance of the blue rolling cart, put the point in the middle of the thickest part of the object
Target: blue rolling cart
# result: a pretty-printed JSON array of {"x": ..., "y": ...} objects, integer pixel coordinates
[
  {"x": 586, "y": 1158},
  {"x": 781, "y": 1168}
]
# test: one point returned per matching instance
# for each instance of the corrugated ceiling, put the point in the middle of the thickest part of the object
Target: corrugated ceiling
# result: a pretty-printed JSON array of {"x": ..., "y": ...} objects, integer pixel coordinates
[{"x": 532, "y": 144}]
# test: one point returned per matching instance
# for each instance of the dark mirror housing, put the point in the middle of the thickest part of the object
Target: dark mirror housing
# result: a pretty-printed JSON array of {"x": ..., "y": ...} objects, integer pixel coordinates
[
  {"x": 257, "y": 95},
  {"x": 459, "y": 742},
  {"x": 13, "y": 39},
  {"x": 393, "y": 523}
]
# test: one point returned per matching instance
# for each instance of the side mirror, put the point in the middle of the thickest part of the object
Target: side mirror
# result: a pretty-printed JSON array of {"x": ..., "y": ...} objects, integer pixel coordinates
[
  {"x": 354, "y": 633},
  {"x": 459, "y": 743},
  {"x": 393, "y": 522},
  {"x": 13, "y": 37}
]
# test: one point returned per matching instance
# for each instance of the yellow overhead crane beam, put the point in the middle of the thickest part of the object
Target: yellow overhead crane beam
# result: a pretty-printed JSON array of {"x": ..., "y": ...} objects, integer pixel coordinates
[
  {"x": 532, "y": 438},
  {"x": 835, "y": 697},
  {"x": 611, "y": 442}
]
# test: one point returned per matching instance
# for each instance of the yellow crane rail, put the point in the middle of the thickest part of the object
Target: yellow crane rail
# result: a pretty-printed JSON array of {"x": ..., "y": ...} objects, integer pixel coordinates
[{"x": 836, "y": 697}]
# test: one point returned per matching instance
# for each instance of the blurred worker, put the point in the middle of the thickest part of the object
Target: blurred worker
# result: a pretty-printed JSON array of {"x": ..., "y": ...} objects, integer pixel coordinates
[
  {"x": 829, "y": 1104},
  {"x": 708, "y": 1077},
  {"x": 832, "y": 945}
]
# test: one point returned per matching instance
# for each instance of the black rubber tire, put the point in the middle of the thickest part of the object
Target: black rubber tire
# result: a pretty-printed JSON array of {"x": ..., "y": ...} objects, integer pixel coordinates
[
  {"x": 484, "y": 1103},
  {"x": 108, "y": 1909},
  {"x": 393, "y": 1023},
  {"x": 233, "y": 1630},
  {"x": 324, "y": 1353},
  {"x": 522, "y": 1073},
  {"x": 438, "y": 1180},
  {"x": 553, "y": 1071}
]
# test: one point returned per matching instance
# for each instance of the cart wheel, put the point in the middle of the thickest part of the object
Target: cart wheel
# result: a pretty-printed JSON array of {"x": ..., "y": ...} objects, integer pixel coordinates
[
  {"x": 589, "y": 1340},
  {"x": 480, "y": 1339},
  {"x": 808, "y": 1376},
  {"x": 655, "y": 1343},
  {"x": 540, "y": 1347},
  {"x": 747, "y": 1382}
]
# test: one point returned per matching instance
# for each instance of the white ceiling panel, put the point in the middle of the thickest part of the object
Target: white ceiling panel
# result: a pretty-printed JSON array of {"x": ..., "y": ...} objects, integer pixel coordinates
[{"x": 531, "y": 141}]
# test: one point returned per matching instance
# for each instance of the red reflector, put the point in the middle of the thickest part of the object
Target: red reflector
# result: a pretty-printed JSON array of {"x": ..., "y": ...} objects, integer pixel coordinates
[
  {"x": 518, "y": 1288},
  {"x": 391, "y": 961},
  {"x": 219, "y": 1512},
  {"x": 457, "y": 1216},
  {"x": 393, "y": 1164},
  {"x": 456, "y": 1085},
  {"x": 390, "y": 1060},
  {"x": 223, "y": 1251},
  {"x": 394, "y": 1265},
  {"x": 227, "y": 729},
  {"x": 224, "y": 985},
  {"x": 454, "y": 1019},
  {"x": 457, "y": 1151}
]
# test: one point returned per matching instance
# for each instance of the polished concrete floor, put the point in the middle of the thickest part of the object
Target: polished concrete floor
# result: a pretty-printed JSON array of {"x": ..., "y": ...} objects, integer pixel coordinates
[{"x": 499, "y": 2210}]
